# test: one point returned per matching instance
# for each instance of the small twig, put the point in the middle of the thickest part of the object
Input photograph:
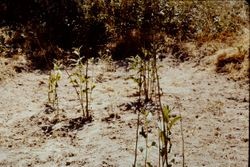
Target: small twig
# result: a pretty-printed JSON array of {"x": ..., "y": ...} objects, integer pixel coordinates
[
  {"x": 137, "y": 136},
  {"x": 182, "y": 134},
  {"x": 86, "y": 89}
]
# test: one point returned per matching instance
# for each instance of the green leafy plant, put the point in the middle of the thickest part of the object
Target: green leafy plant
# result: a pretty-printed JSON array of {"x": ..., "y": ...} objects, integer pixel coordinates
[
  {"x": 147, "y": 118},
  {"x": 145, "y": 76},
  {"x": 80, "y": 80},
  {"x": 55, "y": 76},
  {"x": 165, "y": 125},
  {"x": 165, "y": 119},
  {"x": 145, "y": 79},
  {"x": 148, "y": 82}
]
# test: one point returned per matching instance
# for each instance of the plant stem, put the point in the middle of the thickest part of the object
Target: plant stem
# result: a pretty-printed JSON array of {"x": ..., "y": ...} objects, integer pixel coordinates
[
  {"x": 183, "y": 145},
  {"x": 86, "y": 89},
  {"x": 77, "y": 92},
  {"x": 138, "y": 108},
  {"x": 146, "y": 132},
  {"x": 140, "y": 80},
  {"x": 137, "y": 136},
  {"x": 49, "y": 89},
  {"x": 182, "y": 134},
  {"x": 56, "y": 100},
  {"x": 81, "y": 99},
  {"x": 161, "y": 109},
  {"x": 159, "y": 151},
  {"x": 148, "y": 78},
  {"x": 144, "y": 67}
]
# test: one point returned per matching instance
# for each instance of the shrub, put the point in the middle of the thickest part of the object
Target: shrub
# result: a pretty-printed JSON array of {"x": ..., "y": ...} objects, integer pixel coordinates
[{"x": 127, "y": 25}]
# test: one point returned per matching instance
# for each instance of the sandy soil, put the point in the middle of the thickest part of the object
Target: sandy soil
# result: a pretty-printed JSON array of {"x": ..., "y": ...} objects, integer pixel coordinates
[{"x": 215, "y": 113}]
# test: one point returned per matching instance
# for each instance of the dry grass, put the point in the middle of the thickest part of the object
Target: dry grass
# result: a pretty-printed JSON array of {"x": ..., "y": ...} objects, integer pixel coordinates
[
  {"x": 9, "y": 67},
  {"x": 12, "y": 60},
  {"x": 230, "y": 57},
  {"x": 234, "y": 60}
]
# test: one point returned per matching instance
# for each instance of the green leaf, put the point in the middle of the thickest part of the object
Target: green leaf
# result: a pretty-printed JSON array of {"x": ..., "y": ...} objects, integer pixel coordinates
[
  {"x": 160, "y": 66},
  {"x": 145, "y": 112},
  {"x": 173, "y": 121},
  {"x": 136, "y": 80},
  {"x": 74, "y": 82},
  {"x": 82, "y": 79},
  {"x": 166, "y": 111},
  {"x": 56, "y": 67},
  {"x": 57, "y": 76},
  {"x": 93, "y": 87}
]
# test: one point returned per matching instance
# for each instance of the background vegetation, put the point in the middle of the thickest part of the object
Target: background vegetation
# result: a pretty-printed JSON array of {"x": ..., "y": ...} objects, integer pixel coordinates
[{"x": 46, "y": 30}]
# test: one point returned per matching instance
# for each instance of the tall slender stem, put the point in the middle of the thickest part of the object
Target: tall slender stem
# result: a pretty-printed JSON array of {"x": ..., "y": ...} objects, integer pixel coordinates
[
  {"x": 56, "y": 99},
  {"x": 182, "y": 134},
  {"x": 146, "y": 132},
  {"x": 137, "y": 137},
  {"x": 49, "y": 89},
  {"x": 148, "y": 78},
  {"x": 86, "y": 89},
  {"x": 138, "y": 108},
  {"x": 161, "y": 109},
  {"x": 77, "y": 92},
  {"x": 159, "y": 151}
]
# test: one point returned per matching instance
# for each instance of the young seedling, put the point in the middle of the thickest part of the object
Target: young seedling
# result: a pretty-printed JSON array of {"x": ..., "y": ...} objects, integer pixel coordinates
[
  {"x": 166, "y": 120},
  {"x": 145, "y": 67},
  {"x": 137, "y": 65},
  {"x": 148, "y": 81},
  {"x": 165, "y": 126},
  {"x": 55, "y": 76},
  {"x": 145, "y": 133},
  {"x": 81, "y": 82},
  {"x": 142, "y": 65}
]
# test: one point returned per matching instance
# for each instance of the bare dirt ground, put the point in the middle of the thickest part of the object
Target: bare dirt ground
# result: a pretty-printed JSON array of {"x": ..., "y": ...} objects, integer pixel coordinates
[{"x": 215, "y": 113}]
